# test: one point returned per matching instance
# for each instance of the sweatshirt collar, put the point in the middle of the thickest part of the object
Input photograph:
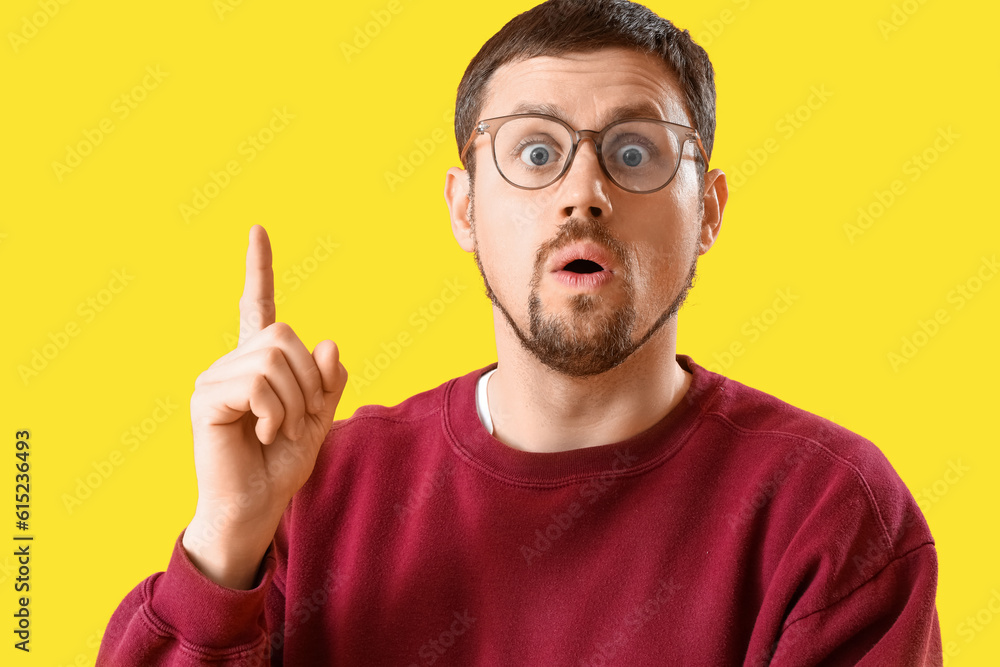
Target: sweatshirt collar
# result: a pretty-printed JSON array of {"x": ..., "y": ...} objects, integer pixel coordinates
[{"x": 473, "y": 443}]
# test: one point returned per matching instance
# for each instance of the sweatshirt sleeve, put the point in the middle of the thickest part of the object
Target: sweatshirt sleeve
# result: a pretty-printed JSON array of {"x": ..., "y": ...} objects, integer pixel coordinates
[
  {"x": 889, "y": 620},
  {"x": 181, "y": 617}
]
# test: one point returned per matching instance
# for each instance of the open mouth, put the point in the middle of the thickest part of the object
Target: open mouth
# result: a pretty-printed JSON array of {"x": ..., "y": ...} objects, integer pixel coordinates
[
  {"x": 582, "y": 258},
  {"x": 583, "y": 266},
  {"x": 581, "y": 274}
]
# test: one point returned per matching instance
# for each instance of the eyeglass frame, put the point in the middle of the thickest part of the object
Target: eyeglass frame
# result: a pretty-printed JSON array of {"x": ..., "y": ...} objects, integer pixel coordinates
[{"x": 483, "y": 126}]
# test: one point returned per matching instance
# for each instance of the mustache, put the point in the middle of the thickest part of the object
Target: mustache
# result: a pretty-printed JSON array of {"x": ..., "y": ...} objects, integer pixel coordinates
[{"x": 582, "y": 229}]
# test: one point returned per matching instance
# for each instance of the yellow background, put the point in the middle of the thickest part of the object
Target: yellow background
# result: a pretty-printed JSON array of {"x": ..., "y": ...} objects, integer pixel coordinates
[{"x": 897, "y": 74}]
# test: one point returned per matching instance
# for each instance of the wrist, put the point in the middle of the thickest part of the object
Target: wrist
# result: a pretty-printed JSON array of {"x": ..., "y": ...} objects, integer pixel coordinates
[{"x": 230, "y": 558}]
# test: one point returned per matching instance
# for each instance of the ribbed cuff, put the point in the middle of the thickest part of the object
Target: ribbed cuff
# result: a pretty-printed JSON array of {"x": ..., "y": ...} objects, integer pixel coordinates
[{"x": 205, "y": 613}]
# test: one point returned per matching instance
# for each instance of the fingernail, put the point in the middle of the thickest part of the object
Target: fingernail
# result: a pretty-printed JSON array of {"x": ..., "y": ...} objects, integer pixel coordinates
[{"x": 317, "y": 402}]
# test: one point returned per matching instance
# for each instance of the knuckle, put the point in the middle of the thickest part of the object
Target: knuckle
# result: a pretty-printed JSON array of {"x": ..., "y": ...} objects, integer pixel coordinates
[
  {"x": 281, "y": 331},
  {"x": 273, "y": 357},
  {"x": 258, "y": 384},
  {"x": 311, "y": 375}
]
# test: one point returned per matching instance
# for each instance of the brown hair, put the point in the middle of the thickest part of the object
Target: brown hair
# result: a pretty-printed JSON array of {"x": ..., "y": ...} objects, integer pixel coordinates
[{"x": 556, "y": 27}]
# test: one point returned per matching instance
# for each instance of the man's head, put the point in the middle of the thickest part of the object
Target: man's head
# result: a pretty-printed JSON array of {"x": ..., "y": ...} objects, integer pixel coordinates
[{"x": 583, "y": 271}]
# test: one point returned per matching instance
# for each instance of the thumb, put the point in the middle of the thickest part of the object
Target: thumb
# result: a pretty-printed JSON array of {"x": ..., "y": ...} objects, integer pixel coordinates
[{"x": 327, "y": 358}]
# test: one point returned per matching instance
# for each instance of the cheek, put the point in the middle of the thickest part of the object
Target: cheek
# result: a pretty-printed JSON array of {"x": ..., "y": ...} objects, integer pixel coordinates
[
  {"x": 506, "y": 233},
  {"x": 508, "y": 258},
  {"x": 655, "y": 271},
  {"x": 663, "y": 245}
]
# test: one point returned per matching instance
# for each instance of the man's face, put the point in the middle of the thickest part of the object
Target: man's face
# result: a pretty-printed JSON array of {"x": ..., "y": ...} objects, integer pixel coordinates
[{"x": 577, "y": 320}]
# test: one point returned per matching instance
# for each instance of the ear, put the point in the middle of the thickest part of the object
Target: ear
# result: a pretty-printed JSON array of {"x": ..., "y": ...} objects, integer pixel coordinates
[
  {"x": 714, "y": 199},
  {"x": 456, "y": 194}
]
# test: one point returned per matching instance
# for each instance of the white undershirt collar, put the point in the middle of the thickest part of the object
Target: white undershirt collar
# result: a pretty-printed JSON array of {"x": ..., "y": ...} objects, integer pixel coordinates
[{"x": 482, "y": 401}]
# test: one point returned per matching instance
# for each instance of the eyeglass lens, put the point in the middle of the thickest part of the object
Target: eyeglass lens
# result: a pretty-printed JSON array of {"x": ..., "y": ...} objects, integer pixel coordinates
[{"x": 638, "y": 155}]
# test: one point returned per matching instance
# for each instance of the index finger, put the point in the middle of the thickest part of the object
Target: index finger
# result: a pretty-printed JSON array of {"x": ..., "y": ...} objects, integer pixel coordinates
[{"x": 257, "y": 302}]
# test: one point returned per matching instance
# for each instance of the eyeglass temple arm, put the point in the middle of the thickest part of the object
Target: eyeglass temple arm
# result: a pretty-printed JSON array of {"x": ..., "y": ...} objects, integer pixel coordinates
[
  {"x": 478, "y": 130},
  {"x": 704, "y": 155}
]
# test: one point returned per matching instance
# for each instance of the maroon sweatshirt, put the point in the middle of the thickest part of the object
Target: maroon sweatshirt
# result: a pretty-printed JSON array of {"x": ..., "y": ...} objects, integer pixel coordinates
[{"x": 739, "y": 530}]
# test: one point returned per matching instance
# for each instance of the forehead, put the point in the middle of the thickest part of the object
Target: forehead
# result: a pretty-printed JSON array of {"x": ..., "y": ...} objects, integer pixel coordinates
[{"x": 588, "y": 90}]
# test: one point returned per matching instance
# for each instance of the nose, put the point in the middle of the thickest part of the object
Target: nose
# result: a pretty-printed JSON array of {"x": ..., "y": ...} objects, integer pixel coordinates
[{"x": 584, "y": 187}]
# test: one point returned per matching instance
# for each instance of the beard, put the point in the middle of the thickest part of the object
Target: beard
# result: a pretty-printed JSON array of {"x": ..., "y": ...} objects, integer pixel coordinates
[{"x": 594, "y": 340}]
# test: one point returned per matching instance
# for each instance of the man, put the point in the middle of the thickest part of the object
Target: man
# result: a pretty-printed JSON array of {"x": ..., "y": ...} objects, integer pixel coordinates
[{"x": 593, "y": 498}]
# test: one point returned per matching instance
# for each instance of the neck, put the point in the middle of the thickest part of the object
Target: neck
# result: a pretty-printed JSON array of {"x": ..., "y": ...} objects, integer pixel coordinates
[{"x": 537, "y": 409}]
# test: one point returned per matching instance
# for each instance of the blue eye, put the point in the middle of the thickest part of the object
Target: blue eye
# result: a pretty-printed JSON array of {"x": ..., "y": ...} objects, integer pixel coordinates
[
  {"x": 633, "y": 156},
  {"x": 537, "y": 155}
]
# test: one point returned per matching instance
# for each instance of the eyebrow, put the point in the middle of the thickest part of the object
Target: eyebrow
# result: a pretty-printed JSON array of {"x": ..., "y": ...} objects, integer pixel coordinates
[{"x": 636, "y": 110}]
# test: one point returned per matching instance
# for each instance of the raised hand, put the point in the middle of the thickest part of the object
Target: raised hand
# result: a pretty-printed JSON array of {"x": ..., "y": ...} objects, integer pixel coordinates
[{"x": 259, "y": 415}]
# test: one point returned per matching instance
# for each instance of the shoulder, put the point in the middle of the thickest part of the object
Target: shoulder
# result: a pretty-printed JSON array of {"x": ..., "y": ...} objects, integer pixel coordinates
[
  {"x": 765, "y": 423},
  {"x": 842, "y": 545},
  {"x": 751, "y": 411},
  {"x": 816, "y": 473}
]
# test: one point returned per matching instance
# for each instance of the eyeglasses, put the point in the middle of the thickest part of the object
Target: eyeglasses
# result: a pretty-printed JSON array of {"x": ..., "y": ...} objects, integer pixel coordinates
[{"x": 532, "y": 151}]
